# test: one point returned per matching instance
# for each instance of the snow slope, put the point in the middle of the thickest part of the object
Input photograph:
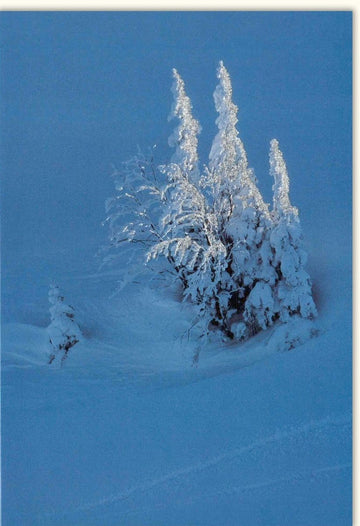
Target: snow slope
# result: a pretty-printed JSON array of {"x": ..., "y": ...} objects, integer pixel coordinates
[{"x": 128, "y": 431}]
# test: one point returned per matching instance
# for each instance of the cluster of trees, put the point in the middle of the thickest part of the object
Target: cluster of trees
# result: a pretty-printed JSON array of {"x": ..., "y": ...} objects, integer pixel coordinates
[{"x": 241, "y": 264}]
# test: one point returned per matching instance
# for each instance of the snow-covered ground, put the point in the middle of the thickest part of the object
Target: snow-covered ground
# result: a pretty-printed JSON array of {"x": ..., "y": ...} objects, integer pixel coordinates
[{"x": 129, "y": 431}]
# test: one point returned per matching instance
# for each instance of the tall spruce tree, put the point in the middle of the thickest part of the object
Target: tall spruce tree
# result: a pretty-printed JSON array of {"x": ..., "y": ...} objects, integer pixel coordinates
[
  {"x": 245, "y": 218},
  {"x": 293, "y": 290},
  {"x": 185, "y": 136},
  {"x": 184, "y": 229}
]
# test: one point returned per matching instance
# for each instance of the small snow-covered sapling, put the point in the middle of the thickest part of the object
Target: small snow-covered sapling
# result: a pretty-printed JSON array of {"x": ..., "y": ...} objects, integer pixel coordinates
[{"x": 63, "y": 331}]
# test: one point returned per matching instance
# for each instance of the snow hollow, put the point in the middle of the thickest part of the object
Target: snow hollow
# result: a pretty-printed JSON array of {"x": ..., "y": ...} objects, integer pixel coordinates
[{"x": 130, "y": 429}]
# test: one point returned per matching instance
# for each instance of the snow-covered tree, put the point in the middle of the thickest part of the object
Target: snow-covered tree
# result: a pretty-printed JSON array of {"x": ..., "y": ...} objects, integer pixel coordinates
[
  {"x": 184, "y": 138},
  {"x": 231, "y": 180},
  {"x": 156, "y": 208},
  {"x": 133, "y": 215},
  {"x": 190, "y": 227},
  {"x": 241, "y": 265},
  {"x": 63, "y": 331},
  {"x": 184, "y": 226},
  {"x": 186, "y": 206},
  {"x": 245, "y": 218},
  {"x": 293, "y": 289}
]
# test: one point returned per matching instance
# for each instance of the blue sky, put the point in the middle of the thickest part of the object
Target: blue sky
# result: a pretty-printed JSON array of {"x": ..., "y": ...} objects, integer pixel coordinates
[{"x": 80, "y": 91}]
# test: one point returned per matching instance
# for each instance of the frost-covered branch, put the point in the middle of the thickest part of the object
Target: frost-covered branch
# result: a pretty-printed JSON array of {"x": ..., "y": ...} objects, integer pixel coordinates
[{"x": 132, "y": 215}]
